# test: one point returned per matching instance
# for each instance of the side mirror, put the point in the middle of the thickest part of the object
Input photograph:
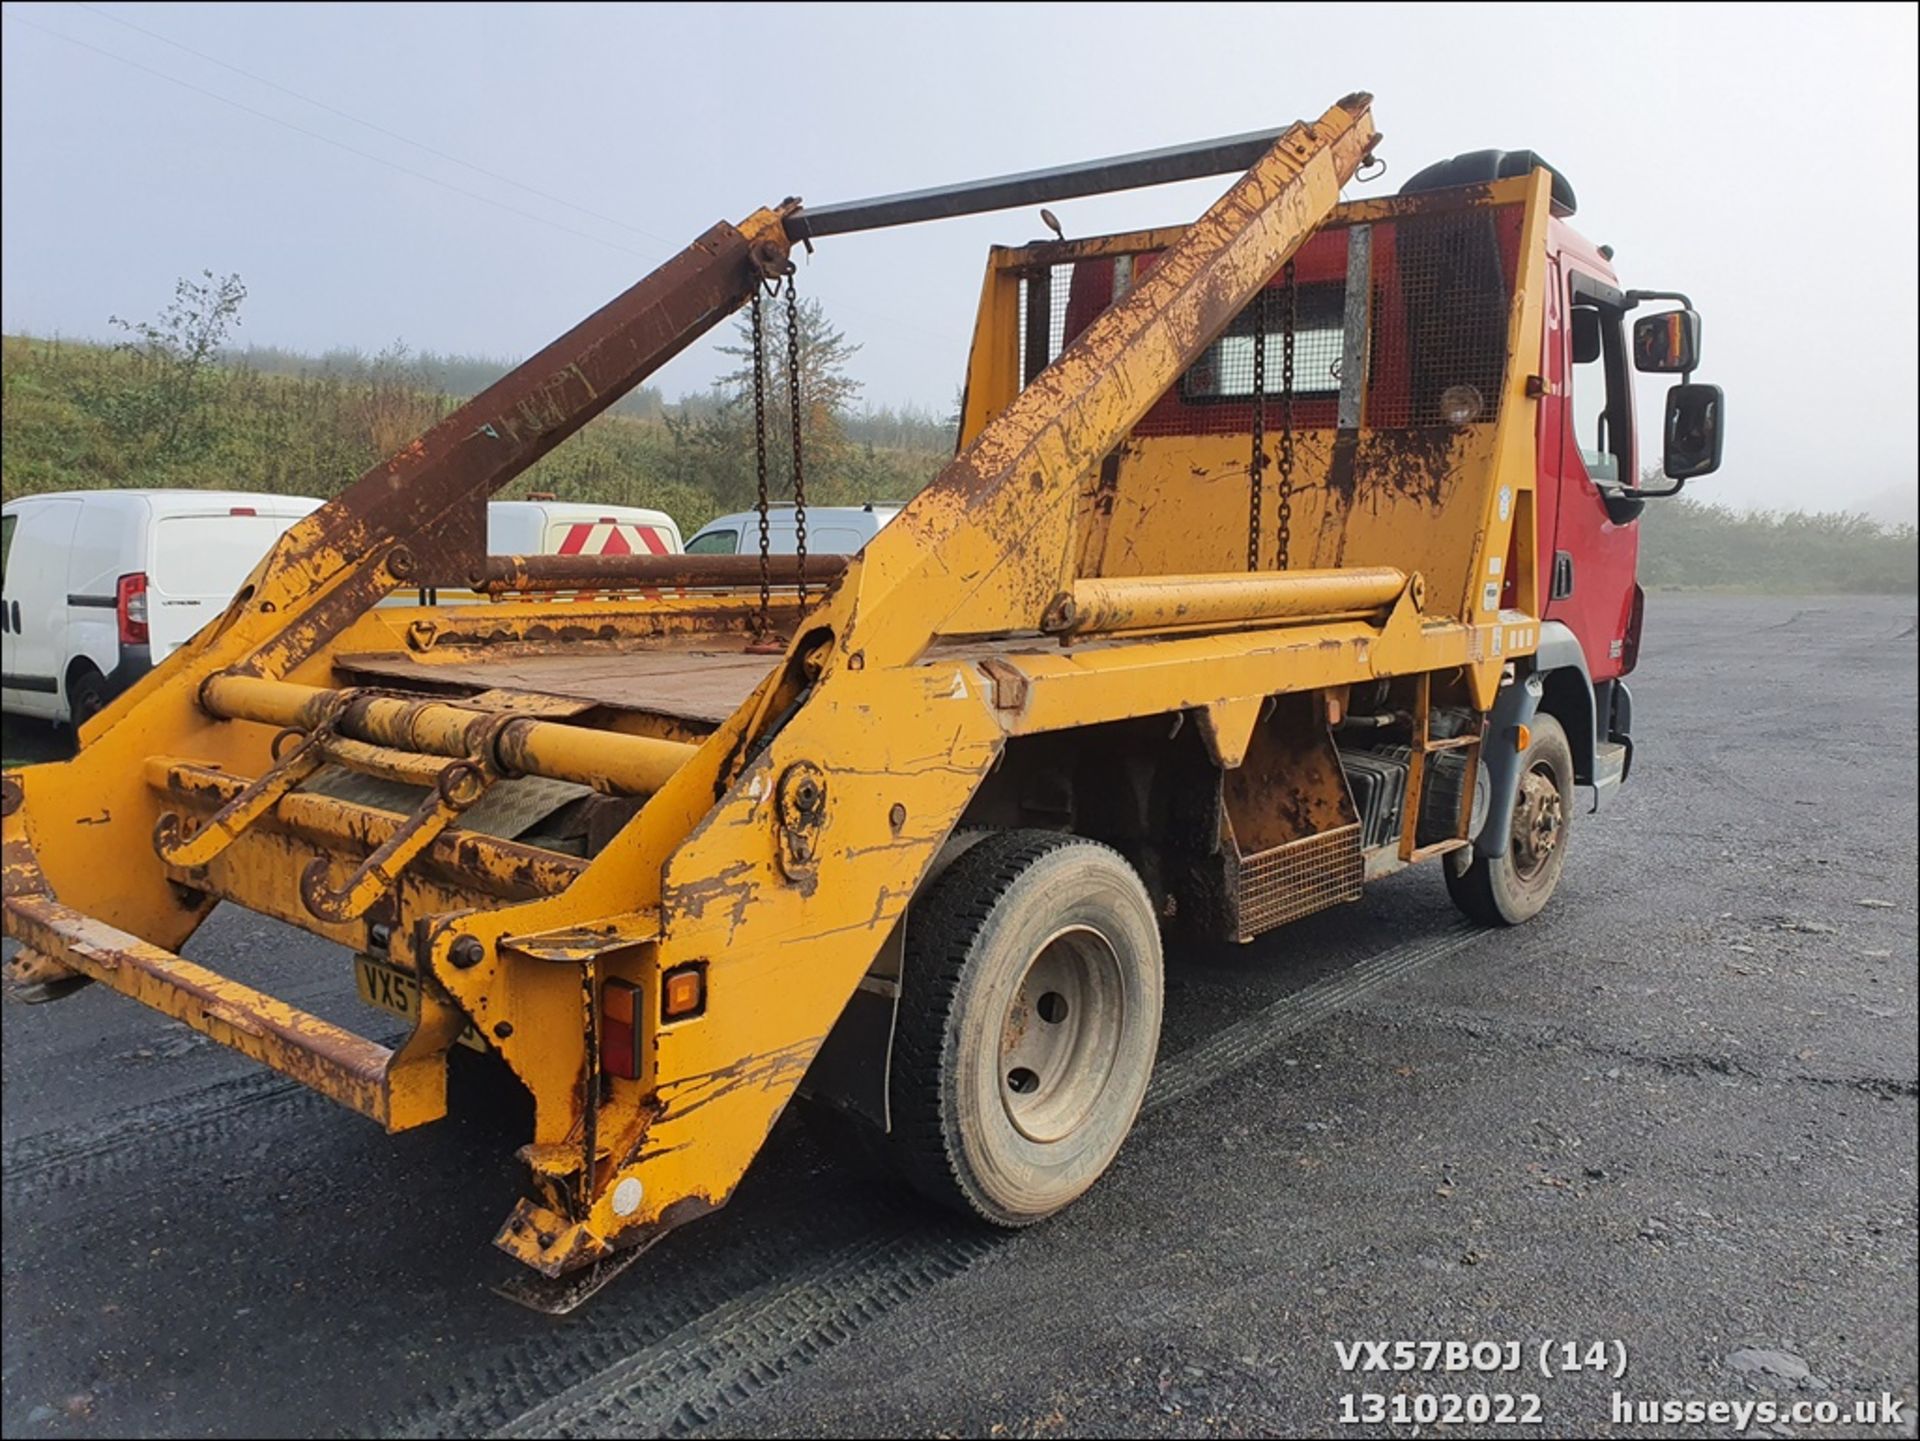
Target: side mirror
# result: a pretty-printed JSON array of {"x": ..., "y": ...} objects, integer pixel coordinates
[
  {"x": 1694, "y": 429},
  {"x": 1668, "y": 343}
]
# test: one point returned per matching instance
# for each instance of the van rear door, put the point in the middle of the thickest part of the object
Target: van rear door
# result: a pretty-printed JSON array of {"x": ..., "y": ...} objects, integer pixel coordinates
[
  {"x": 604, "y": 535},
  {"x": 195, "y": 563}
]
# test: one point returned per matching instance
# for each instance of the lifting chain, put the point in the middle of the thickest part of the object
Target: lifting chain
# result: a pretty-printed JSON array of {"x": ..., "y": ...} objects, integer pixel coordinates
[
  {"x": 799, "y": 452},
  {"x": 761, "y": 626},
  {"x": 1257, "y": 466},
  {"x": 1288, "y": 319}
]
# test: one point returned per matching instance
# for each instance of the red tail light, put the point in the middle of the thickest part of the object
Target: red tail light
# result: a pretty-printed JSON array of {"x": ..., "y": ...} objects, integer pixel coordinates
[
  {"x": 130, "y": 604},
  {"x": 620, "y": 1029},
  {"x": 242, "y": 510}
]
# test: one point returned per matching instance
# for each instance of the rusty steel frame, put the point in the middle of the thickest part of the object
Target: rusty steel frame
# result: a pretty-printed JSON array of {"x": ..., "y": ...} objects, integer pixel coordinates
[
  {"x": 488, "y": 866},
  {"x": 513, "y": 744},
  {"x": 503, "y": 573},
  {"x": 388, "y": 1086}
]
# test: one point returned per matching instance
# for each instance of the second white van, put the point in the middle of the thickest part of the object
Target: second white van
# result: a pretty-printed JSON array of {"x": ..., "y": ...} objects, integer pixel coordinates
[
  {"x": 540, "y": 525},
  {"x": 831, "y": 530}
]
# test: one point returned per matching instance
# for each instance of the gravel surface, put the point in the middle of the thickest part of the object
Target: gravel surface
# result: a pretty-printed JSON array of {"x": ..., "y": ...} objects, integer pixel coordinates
[{"x": 1676, "y": 1115}]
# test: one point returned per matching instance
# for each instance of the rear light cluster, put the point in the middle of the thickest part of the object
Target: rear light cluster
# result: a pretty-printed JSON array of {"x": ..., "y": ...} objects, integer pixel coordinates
[
  {"x": 130, "y": 606},
  {"x": 683, "y": 995},
  {"x": 620, "y": 1029}
]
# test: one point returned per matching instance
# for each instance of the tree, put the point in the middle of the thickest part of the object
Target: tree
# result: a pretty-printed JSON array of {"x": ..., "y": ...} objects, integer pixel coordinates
[
  {"x": 176, "y": 355},
  {"x": 721, "y": 440}
]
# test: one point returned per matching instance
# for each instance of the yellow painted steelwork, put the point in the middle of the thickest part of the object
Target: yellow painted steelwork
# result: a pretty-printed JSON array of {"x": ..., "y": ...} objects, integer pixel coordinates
[
  {"x": 902, "y": 687},
  {"x": 638, "y": 765},
  {"x": 1191, "y": 602}
]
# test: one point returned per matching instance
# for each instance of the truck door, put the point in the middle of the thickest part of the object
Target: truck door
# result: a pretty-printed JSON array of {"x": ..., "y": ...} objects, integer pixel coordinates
[
  {"x": 1589, "y": 575},
  {"x": 33, "y": 593}
]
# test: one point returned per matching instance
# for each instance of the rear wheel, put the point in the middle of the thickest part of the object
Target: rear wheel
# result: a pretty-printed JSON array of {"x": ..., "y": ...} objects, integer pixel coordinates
[
  {"x": 1029, "y": 1017},
  {"x": 86, "y": 695},
  {"x": 1515, "y": 885}
]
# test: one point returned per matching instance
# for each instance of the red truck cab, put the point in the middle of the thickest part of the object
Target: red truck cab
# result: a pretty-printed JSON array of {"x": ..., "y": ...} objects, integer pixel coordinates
[{"x": 1590, "y": 495}]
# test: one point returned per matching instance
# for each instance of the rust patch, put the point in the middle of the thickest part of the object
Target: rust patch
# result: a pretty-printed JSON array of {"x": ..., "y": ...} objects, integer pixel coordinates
[
  {"x": 1009, "y": 683},
  {"x": 1415, "y": 463},
  {"x": 1290, "y": 784},
  {"x": 492, "y": 866},
  {"x": 800, "y": 799},
  {"x": 1340, "y": 468},
  {"x": 500, "y": 574}
]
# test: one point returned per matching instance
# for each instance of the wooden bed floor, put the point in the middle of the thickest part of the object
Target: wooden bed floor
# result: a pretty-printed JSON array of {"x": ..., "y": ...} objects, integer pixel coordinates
[{"x": 703, "y": 685}]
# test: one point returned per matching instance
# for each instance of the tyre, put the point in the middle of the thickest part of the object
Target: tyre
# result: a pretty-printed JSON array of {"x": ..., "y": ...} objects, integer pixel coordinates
[
  {"x": 1029, "y": 1017},
  {"x": 86, "y": 696},
  {"x": 1515, "y": 885}
]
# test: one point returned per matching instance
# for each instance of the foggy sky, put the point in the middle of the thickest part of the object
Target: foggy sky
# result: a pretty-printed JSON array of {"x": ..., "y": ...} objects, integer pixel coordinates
[{"x": 1761, "y": 158}]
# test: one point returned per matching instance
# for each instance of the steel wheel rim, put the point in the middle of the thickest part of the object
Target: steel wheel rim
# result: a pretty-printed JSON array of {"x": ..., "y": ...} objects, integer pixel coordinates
[
  {"x": 1062, "y": 1034},
  {"x": 1538, "y": 822}
]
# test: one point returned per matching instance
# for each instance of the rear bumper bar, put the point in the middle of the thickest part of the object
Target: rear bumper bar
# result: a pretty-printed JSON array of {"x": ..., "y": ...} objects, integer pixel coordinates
[{"x": 350, "y": 1069}]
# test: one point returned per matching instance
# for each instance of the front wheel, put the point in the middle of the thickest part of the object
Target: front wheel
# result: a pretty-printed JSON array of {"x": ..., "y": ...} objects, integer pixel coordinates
[
  {"x": 1515, "y": 885},
  {"x": 1029, "y": 1017}
]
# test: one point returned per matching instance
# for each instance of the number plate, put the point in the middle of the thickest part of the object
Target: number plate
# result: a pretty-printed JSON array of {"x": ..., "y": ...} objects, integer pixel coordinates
[{"x": 392, "y": 989}]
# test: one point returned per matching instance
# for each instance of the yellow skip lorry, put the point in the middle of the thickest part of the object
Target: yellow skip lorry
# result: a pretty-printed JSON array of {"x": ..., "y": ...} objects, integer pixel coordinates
[{"x": 1244, "y": 587}]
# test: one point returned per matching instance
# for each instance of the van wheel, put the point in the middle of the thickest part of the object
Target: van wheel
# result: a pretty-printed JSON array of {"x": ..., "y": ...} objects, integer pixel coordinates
[
  {"x": 86, "y": 696},
  {"x": 1515, "y": 885},
  {"x": 1029, "y": 1017}
]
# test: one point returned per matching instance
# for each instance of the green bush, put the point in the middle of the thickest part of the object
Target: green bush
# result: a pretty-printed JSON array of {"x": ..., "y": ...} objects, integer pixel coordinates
[{"x": 1685, "y": 544}]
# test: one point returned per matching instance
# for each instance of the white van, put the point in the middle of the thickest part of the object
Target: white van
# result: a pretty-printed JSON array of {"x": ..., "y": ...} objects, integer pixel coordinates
[
  {"x": 831, "y": 530},
  {"x": 99, "y": 586},
  {"x": 541, "y": 525}
]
